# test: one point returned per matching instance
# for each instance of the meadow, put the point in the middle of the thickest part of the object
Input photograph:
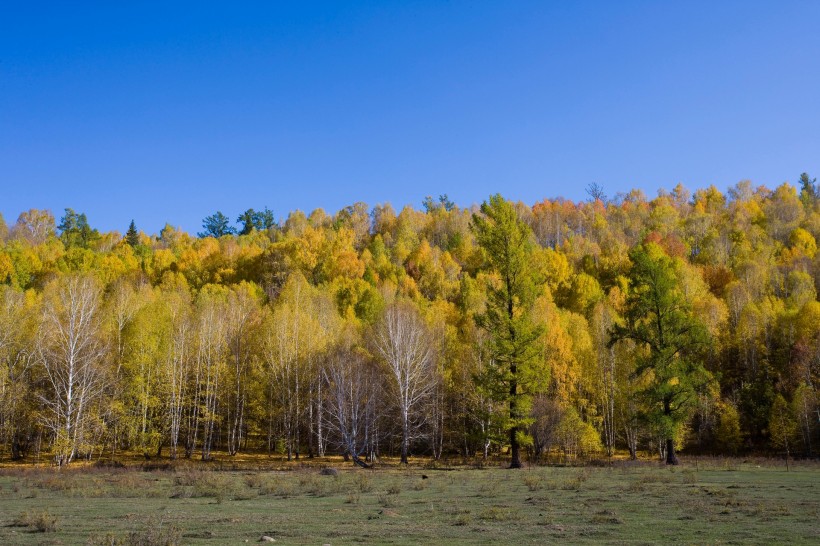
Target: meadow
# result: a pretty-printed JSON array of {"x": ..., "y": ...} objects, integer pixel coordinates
[{"x": 714, "y": 501}]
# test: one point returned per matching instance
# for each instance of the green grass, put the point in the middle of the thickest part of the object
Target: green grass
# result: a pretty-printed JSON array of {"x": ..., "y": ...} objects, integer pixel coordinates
[{"x": 716, "y": 503}]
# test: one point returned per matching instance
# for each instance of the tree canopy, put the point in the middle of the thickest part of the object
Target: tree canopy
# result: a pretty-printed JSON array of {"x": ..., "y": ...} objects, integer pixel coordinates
[{"x": 688, "y": 322}]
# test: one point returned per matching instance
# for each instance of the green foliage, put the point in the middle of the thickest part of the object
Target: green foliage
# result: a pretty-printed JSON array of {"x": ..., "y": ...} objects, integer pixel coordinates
[
  {"x": 132, "y": 236},
  {"x": 809, "y": 193},
  {"x": 669, "y": 339},
  {"x": 216, "y": 225},
  {"x": 512, "y": 377},
  {"x": 75, "y": 231},
  {"x": 576, "y": 437},
  {"x": 703, "y": 288},
  {"x": 255, "y": 220},
  {"x": 782, "y": 425},
  {"x": 727, "y": 432}
]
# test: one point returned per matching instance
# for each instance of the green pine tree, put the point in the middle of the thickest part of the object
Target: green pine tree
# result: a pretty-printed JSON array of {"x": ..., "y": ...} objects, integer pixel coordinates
[
  {"x": 513, "y": 376},
  {"x": 668, "y": 338},
  {"x": 132, "y": 237}
]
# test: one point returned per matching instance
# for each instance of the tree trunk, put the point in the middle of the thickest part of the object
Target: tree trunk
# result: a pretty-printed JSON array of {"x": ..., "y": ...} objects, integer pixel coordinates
[
  {"x": 405, "y": 438},
  {"x": 360, "y": 462},
  {"x": 16, "y": 449},
  {"x": 671, "y": 457},
  {"x": 515, "y": 449}
]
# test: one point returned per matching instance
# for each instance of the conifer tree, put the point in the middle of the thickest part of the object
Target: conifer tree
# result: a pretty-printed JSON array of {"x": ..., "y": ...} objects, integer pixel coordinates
[
  {"x": 512, "y": 376},
  {"x": 132, "y": 236},
  {"x": 668, "y": 339}
]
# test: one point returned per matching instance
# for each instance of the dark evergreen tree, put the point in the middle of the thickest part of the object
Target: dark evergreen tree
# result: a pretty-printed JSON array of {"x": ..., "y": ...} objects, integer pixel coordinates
[
  {"x": 216, "y": 225},
  {"x": 264, "y": 219},
  {"x": 809, "y": 193},
  {"x": 132, "y": 237},
  {"x": 513, "y": 376},
  {"x": 75, "y": 231},
  {"x": 255, "y": 220},
  {"x": 247, "y": 221},
  {"x": 669, "y": 340}
]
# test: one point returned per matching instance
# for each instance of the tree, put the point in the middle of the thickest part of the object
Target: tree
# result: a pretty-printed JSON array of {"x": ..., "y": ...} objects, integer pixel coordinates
[
  {"x": 809, "y": 192},
  {"x": 668, "y": 337},
  {"x": 146, "y": 340},
  {"x": 444, "y": 203},
  {"x": 35, "y": 225},
  {"x": 247, "y": 221},
  {"x": 211, "y": 349},
  {"x": 596, "y": 192},
  {"x": 177, "y": 362},
  {"x": 352, "y": 392},
  {"x": 132, "y": 237},
  {"x": 255, "y": 220},
  {"x": 15, "y": 371},
  {"x": 241, "y": 319},
  {"x": 75, "y": 231},
  {"x": 403, "y": 342},
  {"x": 804, "y": 406},
  {"x": 512, "y": 375},
  {"x": 216, "y": 226},
  {"x": 782, "y": 426},
  {"x": 727, "y": 432},
  {"x": 70, "y": 350},
  {"x": 293, "y": 335}
]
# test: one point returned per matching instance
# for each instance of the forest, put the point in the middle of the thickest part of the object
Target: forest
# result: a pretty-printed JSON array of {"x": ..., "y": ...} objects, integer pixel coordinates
[{"x": 626, "y": 326}]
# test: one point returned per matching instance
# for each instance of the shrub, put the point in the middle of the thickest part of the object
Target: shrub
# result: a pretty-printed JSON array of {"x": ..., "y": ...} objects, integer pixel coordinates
[
  {"x": 363, "y": 482},
  {"x": 533, "y": 483},
  {"x": 42, "y": 522}
]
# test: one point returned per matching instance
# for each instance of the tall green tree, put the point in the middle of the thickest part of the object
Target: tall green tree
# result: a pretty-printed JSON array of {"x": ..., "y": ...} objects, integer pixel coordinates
[
  {"x": 216, "y": 225},
  {"x": 75, "y": 231},
  {"x": 132, "y": 237},
  {"x": 255, "y": 220},
  {"x": 513, "y": 375},
  {"x": 809, "y": 191},
  {"x": 669, "y": 340}
]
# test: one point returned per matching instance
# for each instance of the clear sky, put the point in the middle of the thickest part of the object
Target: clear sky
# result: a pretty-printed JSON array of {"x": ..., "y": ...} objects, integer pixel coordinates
[{"x": 167, "y": 112}]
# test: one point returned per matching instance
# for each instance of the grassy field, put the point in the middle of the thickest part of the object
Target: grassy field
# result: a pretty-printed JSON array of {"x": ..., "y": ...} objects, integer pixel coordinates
[{"x": 715, "y": 502}]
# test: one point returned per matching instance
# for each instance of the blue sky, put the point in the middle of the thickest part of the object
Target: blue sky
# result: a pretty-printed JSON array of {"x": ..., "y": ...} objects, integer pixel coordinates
[{"x": 167, "y": 113}]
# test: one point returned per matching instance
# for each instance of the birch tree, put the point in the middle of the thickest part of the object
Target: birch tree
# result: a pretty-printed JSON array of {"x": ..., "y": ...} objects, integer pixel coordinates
[
  {"x": 352, "y": 389},
  {"x": 15, "y": 367},
  {"x": 210, "y": 357},
  {"x": 242, "y": 317},
  {"x": 300, "y": 327},
  {"x": 177, "y": 364},
  {"x": 71, "y": 352},
  {"x": 286, "y": 335},
  {"x": 402, "y": 340}
]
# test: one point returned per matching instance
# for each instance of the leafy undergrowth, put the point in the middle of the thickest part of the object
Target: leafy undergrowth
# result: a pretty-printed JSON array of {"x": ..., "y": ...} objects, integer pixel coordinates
[{"x": 709, "y": 502}]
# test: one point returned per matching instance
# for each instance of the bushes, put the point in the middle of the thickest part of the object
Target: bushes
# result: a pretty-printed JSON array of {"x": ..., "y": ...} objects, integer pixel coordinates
[
  {"x": 40, "y": 522},
  {"x": 577, "y": 437}
]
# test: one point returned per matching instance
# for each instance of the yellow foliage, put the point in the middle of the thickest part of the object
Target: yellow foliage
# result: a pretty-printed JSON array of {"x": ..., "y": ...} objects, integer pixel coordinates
[
  {"x": 6, "y": 268},
  {"x": 803, "y": 242}
]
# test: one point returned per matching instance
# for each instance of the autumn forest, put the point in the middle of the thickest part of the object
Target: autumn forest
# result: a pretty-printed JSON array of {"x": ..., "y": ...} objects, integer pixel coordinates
[{"x": 629, "y": 326}]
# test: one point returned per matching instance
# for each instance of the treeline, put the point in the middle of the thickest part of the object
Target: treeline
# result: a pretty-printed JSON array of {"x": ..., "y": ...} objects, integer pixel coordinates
[{"x": 561, "y": 329}]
